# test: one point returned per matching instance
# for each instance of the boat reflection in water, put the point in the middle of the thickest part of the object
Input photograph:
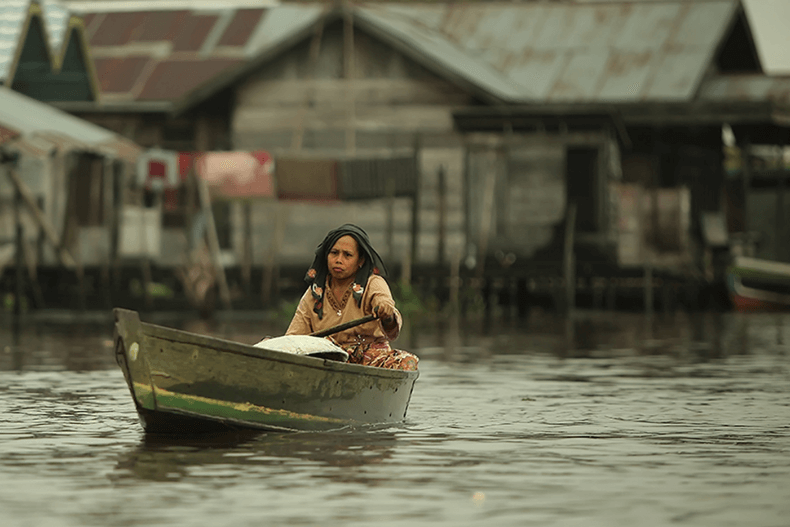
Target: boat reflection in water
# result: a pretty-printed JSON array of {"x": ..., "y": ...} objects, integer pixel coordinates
[{"x": 165, "y": 457}]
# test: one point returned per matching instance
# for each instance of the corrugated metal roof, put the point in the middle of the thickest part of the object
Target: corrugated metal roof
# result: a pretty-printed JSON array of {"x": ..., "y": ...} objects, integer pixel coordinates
[
  {"x": 163, "y": 54},
  {"x": 173, "y": 79},
  {"x": 240, "y": 29},
  {"x": 38, "y": 123},
  {"x": 119, "y": 75},
  {"x": 521, "y": 53},
  {"x": 565, "y": 52}
]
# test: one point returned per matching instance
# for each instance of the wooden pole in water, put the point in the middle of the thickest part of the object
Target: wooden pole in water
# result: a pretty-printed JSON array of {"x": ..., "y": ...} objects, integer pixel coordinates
[
  {"x": 349, "y": 75},
  {"x": 390, "y": 231},
  {"x": 649, "y": 288},
  {"x": 246, "y": 269},
  {"x": 20, "y": 277},
  {"x": 442, "y": 188},
  {"x": 415, "y": 223},
  {"x": 213, "y": 241},
  {"x": 746, "y": 170},
  {"x": 781, "y": 229},
  {"x": 487, "y": 215},
  {"x": 569, "y": 258},
  {"x": 27, "y": 197}
]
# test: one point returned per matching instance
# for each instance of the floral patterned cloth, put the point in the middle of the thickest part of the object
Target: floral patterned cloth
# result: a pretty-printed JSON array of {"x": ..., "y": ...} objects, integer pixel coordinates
[{"x": 380, "y": 355}]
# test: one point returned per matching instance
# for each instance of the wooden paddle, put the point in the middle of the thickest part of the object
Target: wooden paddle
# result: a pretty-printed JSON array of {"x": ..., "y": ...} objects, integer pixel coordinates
[{"x": 342, "y": 327}]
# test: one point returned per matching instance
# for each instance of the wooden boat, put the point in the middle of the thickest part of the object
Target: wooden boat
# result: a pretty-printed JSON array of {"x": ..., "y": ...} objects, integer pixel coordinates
[
  {"x": 759, "y": 285},
  {"x": 186, "y": 383}
]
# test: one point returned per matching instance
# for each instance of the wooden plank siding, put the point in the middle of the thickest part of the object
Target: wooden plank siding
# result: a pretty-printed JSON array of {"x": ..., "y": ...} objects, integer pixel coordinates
[{"x": 393, "y": 107}]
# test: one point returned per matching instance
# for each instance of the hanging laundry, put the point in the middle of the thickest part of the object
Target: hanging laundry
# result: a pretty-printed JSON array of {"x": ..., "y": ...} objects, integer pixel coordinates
[
  {"x": 186, "y": 161},
  {"x": 238, "y": 174},
  {"x": 157, "y": 169},
  {"x": 308, "y": 179},
  {"x": 377, "y": 178}
]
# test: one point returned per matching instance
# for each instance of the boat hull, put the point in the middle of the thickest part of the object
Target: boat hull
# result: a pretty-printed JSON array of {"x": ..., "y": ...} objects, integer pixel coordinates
[
  {"x": 759, "y": 285},
  {"x": 182, "y": 382}
]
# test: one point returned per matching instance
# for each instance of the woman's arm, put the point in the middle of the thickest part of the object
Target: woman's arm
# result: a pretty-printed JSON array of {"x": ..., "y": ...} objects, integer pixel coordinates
[
  {"x": 381, "y": 297},
  {"x": 301, "y": 323}
]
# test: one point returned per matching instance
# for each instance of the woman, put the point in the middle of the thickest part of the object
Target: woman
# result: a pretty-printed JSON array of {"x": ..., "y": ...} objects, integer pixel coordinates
[{"x": 346, "y": 282}]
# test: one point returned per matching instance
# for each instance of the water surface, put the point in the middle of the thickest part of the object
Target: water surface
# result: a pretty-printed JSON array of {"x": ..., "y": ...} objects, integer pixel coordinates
[{"x": 609, "y": 419}]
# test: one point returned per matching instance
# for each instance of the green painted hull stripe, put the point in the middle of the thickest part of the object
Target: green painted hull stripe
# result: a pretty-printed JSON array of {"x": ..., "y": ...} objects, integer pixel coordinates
[{"x": 193, "y": 404}]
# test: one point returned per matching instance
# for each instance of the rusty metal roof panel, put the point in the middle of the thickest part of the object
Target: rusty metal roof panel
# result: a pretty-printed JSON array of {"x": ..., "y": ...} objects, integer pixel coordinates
[
  {"x": 119, "y": 74},
  {"x": 626, "y": 74},
  {"x": 677, "y": 76},
  {"x": 578, "y": 79},
  {"x": 194, "y": 32},
  {"x": 644, "y": 27},
  {"x": 605, "y": 51},
  {"x": 116, "y": 29},
  {"x": 172, "y": 79},
  {"x": 241, "y": 27},
  {"x": 449, "y": 55},
  {"x": 159, "y": 26}
]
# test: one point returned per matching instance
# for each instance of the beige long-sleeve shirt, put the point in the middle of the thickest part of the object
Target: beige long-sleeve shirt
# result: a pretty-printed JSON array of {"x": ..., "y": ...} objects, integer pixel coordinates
[{"x": 340, "y": 311}]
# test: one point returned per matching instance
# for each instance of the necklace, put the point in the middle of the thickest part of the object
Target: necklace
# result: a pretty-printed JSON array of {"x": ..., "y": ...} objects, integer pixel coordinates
[{"x": 339, "y": 312}]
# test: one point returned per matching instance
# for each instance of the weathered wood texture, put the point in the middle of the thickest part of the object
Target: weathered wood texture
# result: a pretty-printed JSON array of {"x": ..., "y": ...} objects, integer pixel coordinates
[
  {"x": 217, "y": 380},
  {"x": 398, "y": 107},
  {"x": 387, "y": 92}
]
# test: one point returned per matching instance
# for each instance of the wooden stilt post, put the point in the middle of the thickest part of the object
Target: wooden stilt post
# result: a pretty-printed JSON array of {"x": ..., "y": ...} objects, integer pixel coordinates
[
  {"x": 213, "y": 241},
  {"x": 19, "y": 258},
  {"x": 455, "y": 283},
  {"x": 415, "y": 231},
  {"x": 487, "y": 218},
  {"x": 269, "y": 287},
  {"x": 781, "y": 228},
  {"x": 746, "y": 171},
  {"x": 49, "y": 231},
  {"x": 145, "y": 262},
  {"x": 569, "y": 259},
  {"x": 442, "y": 195},
  {"x": 349, "y": 74},
  {"x": 246, "y": 268},
  {"x": 390, "y": 218},
  {"x": 649, "y": 288}
]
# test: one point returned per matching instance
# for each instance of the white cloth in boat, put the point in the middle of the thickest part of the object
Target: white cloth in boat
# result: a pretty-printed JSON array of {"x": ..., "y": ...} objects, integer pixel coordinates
[{"x": 305, "y": 345}]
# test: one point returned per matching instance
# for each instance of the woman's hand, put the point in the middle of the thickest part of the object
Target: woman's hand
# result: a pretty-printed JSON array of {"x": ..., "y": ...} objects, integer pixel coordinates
[{"x": 385, "y": 313}]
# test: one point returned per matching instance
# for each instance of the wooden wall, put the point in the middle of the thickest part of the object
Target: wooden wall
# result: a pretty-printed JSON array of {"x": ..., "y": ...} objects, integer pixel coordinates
[{"x": 372, "y": 102}]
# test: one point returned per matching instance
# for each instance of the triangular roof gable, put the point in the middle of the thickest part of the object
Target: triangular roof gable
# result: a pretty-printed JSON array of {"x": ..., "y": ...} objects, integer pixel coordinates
[
  {"x": 29, "y": 41},
  {"x": 74, "y": 57},
  {"x": 288, "y": 26},
  {"x": 737, "y": 53},
  {"x": 293, "y": 24},
  {"x": 44, "y": 32}
]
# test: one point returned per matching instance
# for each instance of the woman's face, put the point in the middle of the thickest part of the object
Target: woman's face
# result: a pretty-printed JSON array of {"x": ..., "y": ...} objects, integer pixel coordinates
[{"x": 344, "y": 259}]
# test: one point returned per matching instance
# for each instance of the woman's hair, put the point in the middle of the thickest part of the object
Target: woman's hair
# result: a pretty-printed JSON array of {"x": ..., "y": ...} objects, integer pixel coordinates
[{"x": 318, "y": 271}]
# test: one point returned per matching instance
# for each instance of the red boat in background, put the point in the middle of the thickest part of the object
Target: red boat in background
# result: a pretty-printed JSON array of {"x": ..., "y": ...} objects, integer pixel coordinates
[{"x": 759, "y": 285}]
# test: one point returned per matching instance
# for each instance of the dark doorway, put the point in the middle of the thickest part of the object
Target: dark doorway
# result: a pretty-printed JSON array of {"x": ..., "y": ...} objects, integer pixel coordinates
[{"x": 581, "y": 175}]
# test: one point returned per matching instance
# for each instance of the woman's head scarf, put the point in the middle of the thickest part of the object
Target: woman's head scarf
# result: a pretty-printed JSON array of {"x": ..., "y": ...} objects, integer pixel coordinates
[{"x": 316, "y": 275}]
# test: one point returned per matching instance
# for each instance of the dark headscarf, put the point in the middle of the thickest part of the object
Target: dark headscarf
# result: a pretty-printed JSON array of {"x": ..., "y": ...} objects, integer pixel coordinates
[{"x": 316, "y": 275}]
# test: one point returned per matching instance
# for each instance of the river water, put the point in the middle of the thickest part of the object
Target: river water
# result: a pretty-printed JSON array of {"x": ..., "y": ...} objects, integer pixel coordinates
[{"x": 609, "y": 419}]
